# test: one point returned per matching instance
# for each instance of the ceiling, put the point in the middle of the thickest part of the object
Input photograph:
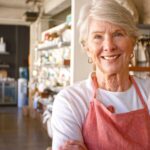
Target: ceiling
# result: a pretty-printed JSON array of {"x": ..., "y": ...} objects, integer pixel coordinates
[{"x": 12, "y": 11}]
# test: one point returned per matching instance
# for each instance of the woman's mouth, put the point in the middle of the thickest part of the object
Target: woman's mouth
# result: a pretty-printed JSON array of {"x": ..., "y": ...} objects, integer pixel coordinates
[{"x": 113, "y": 57}]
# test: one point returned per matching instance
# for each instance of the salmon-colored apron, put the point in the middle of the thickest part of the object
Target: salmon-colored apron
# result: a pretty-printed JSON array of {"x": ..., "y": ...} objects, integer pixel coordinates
[{"x": 105, "y": 130}]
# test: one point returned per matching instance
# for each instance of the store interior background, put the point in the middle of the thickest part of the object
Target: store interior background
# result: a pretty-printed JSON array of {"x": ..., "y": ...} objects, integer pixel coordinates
[
  {"x": 23, "y": 28},
  {"x": 40, "y": 52}
]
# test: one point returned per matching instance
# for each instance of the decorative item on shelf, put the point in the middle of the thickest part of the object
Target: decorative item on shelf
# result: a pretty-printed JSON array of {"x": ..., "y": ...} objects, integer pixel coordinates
[
  {"x": 67, "y": 52},
  {"x": 2, "y": 45},
  {"x": 140, "y": 65},
  {"x": 56, "y": 37},
  {"x": 64, "y": 77},
  {"x": 142, "y": 52},
  {"x": 66, "y": 35},
  {"x": 3, "y": 74},
  {"x": 30, "y": 16},
  {"x": 51, "y": 67},
  {"x": 67, "y": 62},
  {"x": 68, "y": 19}
]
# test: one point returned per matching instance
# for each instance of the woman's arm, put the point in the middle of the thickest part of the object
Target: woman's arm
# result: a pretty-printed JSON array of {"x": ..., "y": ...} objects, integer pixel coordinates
[{"x": 65, "y": 122}]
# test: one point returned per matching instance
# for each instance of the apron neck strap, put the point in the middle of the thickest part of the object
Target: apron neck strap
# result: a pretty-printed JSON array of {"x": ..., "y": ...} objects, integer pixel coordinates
[
  {"x": 138, "y": 91},
  {"x": 95, "y": 85}
]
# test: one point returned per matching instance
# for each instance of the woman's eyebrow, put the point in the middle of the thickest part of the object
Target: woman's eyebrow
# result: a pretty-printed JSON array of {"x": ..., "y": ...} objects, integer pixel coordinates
[
  {"x": 94, "y": 32},
  {"x": 116, "y": 30},
  {"x": 119, "y": 30}
]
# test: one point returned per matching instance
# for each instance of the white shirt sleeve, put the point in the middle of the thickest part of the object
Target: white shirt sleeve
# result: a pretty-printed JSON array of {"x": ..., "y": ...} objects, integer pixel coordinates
[{"x": 64, "y": 124}]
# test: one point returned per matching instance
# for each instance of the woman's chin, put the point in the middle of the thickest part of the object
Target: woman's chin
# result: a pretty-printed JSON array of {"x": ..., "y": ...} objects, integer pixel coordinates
[{"x": 110, "y": 71}]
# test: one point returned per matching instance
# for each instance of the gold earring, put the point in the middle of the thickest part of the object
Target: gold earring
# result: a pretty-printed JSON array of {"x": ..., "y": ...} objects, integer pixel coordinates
[
  {"x": 90, "y": 61},
  {"x": 131, "y": 56}
]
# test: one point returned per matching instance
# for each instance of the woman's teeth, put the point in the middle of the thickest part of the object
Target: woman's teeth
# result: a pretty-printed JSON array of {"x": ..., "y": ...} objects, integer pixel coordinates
[{"x": 110, "y": 57}]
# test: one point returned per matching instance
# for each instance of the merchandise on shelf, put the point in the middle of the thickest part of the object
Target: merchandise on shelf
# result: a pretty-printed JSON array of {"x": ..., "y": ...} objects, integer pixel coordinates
[
  {"x": 2, "y": 45},
  {"x": 140, "y": 63},
  {"x": 51, "y": 69}
]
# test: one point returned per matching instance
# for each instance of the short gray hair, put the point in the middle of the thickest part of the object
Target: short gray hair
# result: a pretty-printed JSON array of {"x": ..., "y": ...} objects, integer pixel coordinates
[{"x": 106, "y": 10}]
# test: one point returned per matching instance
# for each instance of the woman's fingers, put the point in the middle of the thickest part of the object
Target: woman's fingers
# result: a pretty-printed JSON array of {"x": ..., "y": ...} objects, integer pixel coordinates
[
  {"x": 73, "y": 145},
  {"x": 79, "y": 143}
]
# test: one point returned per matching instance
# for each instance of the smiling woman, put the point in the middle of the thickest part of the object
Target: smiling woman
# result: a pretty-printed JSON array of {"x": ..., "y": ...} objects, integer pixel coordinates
[
  {"x": 109, "y": 46},
  {"x": 109, "y": 110}
]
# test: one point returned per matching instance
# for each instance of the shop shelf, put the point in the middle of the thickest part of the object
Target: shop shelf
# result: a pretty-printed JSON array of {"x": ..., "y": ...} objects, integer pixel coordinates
[{"x": 48, "y": 47}]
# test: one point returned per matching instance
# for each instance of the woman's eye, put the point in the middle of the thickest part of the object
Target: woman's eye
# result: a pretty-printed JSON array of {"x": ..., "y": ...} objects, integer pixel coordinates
[
  {"x": 118, "y": 34},
  {"x": 97, "y": 37}
]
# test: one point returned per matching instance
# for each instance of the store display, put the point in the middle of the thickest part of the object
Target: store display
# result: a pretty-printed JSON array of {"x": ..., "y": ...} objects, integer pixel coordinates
[
  {"x": 51, "y": 69},
  {"x": 140, "y": 64},
  {"x": 2, "y": 45},
  {"x": 3, "y": 73}
]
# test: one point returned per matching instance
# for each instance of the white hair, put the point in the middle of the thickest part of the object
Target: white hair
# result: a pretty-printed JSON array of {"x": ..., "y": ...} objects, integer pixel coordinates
[{"x": 106, "y": 10}]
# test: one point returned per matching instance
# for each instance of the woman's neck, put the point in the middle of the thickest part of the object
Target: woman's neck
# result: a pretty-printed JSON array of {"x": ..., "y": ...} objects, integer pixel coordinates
[{"x": 114, "y": 82}]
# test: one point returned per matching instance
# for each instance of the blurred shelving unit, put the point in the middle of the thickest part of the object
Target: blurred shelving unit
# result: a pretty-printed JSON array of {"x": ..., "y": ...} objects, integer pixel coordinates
[{"x": 140, "y": 65}]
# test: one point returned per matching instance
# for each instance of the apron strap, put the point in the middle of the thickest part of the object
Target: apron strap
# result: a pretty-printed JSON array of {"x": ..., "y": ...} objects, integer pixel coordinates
[
  {"x": 138, "y": 91},
  {"x": 95, "y": 85}
]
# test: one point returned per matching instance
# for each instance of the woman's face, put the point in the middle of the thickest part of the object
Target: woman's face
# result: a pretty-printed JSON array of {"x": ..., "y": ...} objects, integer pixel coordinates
[{"x": 109, "y": 46}]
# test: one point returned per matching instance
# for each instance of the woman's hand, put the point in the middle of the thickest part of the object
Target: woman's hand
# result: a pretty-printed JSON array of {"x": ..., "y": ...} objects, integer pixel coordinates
[{"x": 73, "y": 145}]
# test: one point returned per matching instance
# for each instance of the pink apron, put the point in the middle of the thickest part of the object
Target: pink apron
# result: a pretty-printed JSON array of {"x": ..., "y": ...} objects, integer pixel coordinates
[{"x": 104, "y": 130}]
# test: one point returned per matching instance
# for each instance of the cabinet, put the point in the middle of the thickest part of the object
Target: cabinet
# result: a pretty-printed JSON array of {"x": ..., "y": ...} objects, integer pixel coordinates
[
  {"x": 140, "y": 64},
  {"x": 16, "y": 38},
  {"x": 8, "y": 92}
]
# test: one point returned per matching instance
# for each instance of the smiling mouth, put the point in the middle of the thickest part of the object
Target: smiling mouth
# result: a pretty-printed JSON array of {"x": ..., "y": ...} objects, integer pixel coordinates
[{"x": 111, "y": 57}]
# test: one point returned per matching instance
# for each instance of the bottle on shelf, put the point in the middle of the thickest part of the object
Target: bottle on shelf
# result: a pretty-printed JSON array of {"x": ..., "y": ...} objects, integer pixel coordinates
[{"x": 2, "y": 45}]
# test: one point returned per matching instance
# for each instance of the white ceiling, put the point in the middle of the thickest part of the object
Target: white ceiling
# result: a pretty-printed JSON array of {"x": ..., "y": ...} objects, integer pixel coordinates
[
  {"x": 13, "y": 3},
  {"x": 12, "y": 11}
]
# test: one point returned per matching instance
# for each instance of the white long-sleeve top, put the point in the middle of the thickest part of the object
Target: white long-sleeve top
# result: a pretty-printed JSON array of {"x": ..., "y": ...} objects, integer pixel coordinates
[{"x": 72, "y": 104}]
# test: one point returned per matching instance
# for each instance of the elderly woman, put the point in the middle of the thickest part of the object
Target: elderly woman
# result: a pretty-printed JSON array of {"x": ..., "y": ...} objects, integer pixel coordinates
[{"x": 109, "y": 110}]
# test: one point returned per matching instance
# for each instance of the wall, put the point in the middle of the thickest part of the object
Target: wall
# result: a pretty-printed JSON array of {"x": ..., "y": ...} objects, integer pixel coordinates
[
  {"x": 80, "y": 68},
  {"x": 60, "y": 17}
]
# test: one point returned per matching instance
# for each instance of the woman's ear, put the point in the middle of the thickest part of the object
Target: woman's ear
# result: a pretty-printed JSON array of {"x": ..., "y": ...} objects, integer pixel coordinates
[{"x": 85, "y": 47}]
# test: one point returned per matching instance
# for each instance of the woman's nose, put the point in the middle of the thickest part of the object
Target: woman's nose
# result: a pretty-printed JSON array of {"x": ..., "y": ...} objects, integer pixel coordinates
[{"x": 109, "y": 44}]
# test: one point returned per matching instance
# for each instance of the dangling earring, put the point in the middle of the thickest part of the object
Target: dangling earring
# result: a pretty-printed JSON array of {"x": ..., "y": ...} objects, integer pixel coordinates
[
  {"x": 131, "y": 56},
  {"x": 90, "y": 61}
]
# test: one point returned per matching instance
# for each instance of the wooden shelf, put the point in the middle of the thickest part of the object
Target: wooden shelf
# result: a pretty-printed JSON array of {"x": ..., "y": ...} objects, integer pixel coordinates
[
  {"x": 4, "y": 66},
  {"x": 66, "y": 63},
  {"x": 139, "y": 69},
  {"x": 54, "y": 46},
  {"x": 4, "y": 53},
  {"x": 143, "y": 26}
]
